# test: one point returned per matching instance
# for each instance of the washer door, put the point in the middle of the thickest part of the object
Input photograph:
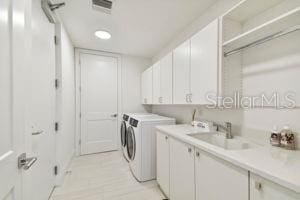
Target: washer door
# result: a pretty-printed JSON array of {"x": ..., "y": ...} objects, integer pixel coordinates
[
  {"x": 123, "y": 134},
  {"x": 131, "y": 143}
]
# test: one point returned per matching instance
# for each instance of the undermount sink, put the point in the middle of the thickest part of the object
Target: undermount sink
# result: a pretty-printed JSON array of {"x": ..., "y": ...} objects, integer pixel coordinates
[{"x": 220, "y": 140}]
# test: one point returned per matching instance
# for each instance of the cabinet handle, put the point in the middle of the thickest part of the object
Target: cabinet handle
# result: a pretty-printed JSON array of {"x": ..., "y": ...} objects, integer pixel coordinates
[
  {"x": 198, "y": 154},
  {"x": 258, "y": 185},
  {"x": 187, "y": 98},
  {"x": 189, "y": 150},
  {"x": 166, "y": 137},
  {"x": 191, "y": 98},
  {"x": 160, "y": 100}
]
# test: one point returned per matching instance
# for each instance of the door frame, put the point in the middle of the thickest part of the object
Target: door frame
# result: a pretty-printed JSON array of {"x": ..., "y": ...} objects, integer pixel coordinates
[{"x": 78, "y": 53}]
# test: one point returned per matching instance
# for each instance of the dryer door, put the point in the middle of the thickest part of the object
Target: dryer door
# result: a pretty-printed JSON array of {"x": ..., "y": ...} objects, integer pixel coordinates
[
  {"x": 131, "y": 143},
  {"x": 123, "y": 134}
]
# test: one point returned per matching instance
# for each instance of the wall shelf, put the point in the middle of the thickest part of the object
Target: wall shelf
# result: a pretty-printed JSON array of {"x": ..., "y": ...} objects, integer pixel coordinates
[
  {"x": 248, "y": 9},
  {"x": 271, "y": 27}
]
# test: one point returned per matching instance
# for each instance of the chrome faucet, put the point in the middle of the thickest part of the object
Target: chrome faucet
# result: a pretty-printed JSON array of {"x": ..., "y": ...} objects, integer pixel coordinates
[{"x": 226, "y": 128}]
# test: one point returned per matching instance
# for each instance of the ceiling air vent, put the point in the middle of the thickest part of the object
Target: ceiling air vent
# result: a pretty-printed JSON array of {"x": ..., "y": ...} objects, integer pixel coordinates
[{"x": 103, "y": 5}]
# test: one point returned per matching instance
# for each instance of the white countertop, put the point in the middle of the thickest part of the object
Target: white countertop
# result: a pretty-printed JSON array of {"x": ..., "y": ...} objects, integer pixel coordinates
[{"x": 275, "y": 164}]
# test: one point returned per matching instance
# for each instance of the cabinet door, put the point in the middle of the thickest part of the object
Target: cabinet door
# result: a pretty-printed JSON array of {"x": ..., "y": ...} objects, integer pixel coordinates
[
  {"x": 156, "y": 83},
  {"x": 163, "y": 163},
  {"x": 166, "y": 83},
  {"x": 204, "y": 63},
  {"x": 219, "y": 180},
  {"x": 181, "y": 73},
  {"x": 147, "y": 86},
  {"x": 261, "y": 189},
  {"x": 143, "y": 87},
  {"x": 182, "y": 176}
]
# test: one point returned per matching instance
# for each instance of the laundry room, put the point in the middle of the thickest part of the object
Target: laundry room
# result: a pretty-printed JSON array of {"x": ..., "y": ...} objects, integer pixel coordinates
[{"x": 150, "y": 100}]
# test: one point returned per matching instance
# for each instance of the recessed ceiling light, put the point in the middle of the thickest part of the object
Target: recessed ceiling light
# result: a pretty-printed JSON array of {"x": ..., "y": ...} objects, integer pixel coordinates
[{"x": 104, "y": 35}]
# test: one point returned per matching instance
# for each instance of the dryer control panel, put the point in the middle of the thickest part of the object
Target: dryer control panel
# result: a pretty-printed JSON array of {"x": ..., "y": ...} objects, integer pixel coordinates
[
  {"x": 133, "y": 122},
  {"x": 125, "y": 117}
]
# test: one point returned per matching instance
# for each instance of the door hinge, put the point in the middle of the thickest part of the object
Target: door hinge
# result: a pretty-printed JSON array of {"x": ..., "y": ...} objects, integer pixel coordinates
[
  {"x": 55, "y": 170},
  {"x": 56, "y": 84},
  {"x": 79, "y": 142},
  {"x": 55, "y": 40},
  {"x": 56, "y": 126}
]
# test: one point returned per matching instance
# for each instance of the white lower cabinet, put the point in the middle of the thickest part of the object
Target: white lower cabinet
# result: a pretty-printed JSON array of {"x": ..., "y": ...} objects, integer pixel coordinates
[
  {"x": 182, "y": 176},
  {"x": 262, "y": 189},
  {"x": 163, "y": 162},
  {"x": 219, "y": 180},
  {"x": 186, "y": 173}
]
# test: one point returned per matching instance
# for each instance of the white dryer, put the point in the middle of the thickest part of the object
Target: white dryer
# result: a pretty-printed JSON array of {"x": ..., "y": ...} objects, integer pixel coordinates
[
  {"x": 123, "y": 130},
  {"x": 141, "y": 145}
]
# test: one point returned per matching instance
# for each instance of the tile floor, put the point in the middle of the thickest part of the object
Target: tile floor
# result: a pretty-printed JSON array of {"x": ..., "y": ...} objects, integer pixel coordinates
[{"x": 104, "y": 176}]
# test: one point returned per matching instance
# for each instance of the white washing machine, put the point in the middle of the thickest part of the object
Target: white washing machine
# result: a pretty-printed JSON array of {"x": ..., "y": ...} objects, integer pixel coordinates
[
  {"x": 141, "y": 145},
  {"x": 123, "y": 130}
]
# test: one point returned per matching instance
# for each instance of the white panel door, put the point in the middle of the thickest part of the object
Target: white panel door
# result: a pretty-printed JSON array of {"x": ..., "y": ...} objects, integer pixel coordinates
[
  {"x": 166, "y": 81},
  {"x": 99, "y": 103},
  {"x": 204, "y": 63},
  {"x": 182, "y": 176},
  {"x": 181, "y": 73},
  {"x": 9, "y": 138},
  {"x": 163, "y": 162},
  {"x": 219, "y": 180},
  {"x": 156, "y": 83},
  {"x": 40, "y": 133}
]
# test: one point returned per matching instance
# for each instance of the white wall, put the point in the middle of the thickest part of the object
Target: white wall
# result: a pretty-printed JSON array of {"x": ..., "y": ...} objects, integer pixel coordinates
[
  {"x": 65, "y": 138},
  {"x": 271, "y": 67},
  {"x": 132, "y": 68}
]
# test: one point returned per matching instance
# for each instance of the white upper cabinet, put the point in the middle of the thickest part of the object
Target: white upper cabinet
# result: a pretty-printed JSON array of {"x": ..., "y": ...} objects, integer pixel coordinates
[
  {"x": 195, "y": 67},
  {"x": 147, "y": 81},
  {"x": 163, "y": 80},
  {"x": 157, "y": 83},
  {"x": 190, "y": 73},
  {"x": 204, "y": 63},
  {"x": 181, "y": 73},
  {"x": 166, "y": 81}
]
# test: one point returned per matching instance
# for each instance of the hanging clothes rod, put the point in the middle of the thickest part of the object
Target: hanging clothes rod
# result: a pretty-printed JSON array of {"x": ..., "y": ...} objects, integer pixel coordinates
[{"x": 263, "y": 40}]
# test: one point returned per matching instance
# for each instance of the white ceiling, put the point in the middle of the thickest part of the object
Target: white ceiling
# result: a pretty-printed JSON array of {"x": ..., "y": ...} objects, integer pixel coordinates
[{"x": 138, "y": 27}]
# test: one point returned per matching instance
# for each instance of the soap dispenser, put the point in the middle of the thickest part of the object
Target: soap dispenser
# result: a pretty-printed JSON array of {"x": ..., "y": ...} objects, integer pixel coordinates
[
  {"x": 275, "y": 139},
  {"x": 288, "y": 138}
]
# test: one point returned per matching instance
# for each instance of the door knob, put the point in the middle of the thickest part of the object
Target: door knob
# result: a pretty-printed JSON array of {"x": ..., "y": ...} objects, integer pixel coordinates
[
  {"x": 258, "y": 185},
  {"x": 24, "y": 162},
  {"x": 114, "y": 115}
]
